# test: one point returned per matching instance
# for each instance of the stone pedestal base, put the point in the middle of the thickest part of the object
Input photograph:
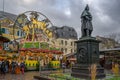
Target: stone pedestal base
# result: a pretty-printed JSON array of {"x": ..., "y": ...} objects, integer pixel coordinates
[{"x": 82, "y": 71}]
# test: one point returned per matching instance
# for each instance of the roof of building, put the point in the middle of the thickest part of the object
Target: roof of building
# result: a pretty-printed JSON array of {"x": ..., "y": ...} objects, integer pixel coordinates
[
  {"x": 7, "y": 15},
  {"x": 103, "y": 39},
  {"x": 110, "y": 41},
  {"x": 101, "y": 52},
  {"x": 108, "y": 50},
  {"x": 70, "y": 54},
  {"x": 64, "y": 32}
]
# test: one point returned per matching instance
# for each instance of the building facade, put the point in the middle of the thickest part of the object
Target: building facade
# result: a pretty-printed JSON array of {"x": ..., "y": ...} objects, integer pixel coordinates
[
  {"x": 65, "y": 38},
  {"x": 7, "y": 21},
  {"x": 107, "y": 43}
]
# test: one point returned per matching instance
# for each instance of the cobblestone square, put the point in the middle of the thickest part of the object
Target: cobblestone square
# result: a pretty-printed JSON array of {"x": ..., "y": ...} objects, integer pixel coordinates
[{"x": 26, "y": 76}]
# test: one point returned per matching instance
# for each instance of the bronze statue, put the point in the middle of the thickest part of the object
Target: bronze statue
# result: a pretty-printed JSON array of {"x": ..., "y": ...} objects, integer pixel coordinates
[{"x": 86, "y": 23}]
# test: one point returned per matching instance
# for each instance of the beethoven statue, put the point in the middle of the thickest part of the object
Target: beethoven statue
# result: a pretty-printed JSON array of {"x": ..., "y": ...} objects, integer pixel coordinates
[{"x": 86, "y": 23}]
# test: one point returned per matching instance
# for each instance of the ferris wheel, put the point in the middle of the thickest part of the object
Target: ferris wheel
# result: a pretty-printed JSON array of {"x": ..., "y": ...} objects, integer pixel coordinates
[{"x": 34, "y": 26}]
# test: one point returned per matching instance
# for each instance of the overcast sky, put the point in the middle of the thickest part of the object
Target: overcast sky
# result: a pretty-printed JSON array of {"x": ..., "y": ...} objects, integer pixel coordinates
[{"x": 106, "y": 13}]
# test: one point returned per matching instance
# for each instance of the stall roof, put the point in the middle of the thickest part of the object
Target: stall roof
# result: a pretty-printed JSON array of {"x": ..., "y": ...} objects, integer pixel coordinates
[
  {"x": 41, "y": 50},
  {"x": 107, "y": 50}
]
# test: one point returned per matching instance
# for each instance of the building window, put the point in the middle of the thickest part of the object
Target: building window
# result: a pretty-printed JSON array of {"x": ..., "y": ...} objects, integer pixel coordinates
[
  {"x": 71, "y": 43},
  {"x": 20, "y": 33},
  {"x": 62, "y": 49},
  {"x": 75, "y": 50},
  {"x": 69, "y": 29},
  {"x": 65, "y": 42},
  {"x": 65, "y": 50},
  {"x": 71, "y": 50},
  {"x": 3, "y": 30},
  {"x": 62, "y": 42},
  {"x": 6, "y": 31},
  {"x": 23, "y": 34},
  {"x": 74, "y": 44},
  {"x": 17, "y": 33}
]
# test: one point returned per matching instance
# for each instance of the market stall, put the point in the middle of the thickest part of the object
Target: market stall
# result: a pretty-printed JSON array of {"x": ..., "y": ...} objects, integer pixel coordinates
[{"x": 32, "y": 56}]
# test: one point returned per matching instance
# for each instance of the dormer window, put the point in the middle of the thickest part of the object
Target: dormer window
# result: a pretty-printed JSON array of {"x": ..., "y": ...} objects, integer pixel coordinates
[{"x": 69, "y": 29}]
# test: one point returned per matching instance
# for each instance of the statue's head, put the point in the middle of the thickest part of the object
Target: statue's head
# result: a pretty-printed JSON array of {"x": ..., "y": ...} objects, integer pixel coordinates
[{"x": 87, "y": 8}]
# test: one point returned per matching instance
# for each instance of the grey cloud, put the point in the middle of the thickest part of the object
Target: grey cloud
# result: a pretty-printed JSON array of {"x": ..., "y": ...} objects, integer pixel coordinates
[{"x": 109, "y": 8}]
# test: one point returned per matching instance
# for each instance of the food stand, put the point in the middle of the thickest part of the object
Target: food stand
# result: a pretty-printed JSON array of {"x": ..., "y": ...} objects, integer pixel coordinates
[{"x": 31, "y": 56}]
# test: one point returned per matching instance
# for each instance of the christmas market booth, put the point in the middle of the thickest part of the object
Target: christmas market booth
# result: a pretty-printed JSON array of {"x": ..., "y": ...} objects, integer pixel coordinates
[{"x": 46, "y": 58}]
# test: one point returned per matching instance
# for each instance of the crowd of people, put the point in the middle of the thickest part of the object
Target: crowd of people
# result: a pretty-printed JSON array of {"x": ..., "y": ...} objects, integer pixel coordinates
[{"x": 13, "y": 67}]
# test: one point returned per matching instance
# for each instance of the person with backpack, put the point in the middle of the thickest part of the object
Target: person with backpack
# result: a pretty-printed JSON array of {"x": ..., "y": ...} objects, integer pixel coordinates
[
  {"x": 22, "y": 66},
  {"x": 13, "y": 65},
  {"x": 3, "y": 69},
  {"x": 0, "y": 65}
]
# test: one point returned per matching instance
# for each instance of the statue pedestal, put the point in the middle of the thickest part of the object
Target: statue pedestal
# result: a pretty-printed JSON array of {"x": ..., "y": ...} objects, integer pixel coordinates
[{"x": 87, "y": 54}]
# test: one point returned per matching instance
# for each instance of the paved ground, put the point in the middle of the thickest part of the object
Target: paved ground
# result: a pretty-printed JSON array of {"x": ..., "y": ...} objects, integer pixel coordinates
[
  {"x": 29, "y": 75},
  {"x": 26, "y": 76}
]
